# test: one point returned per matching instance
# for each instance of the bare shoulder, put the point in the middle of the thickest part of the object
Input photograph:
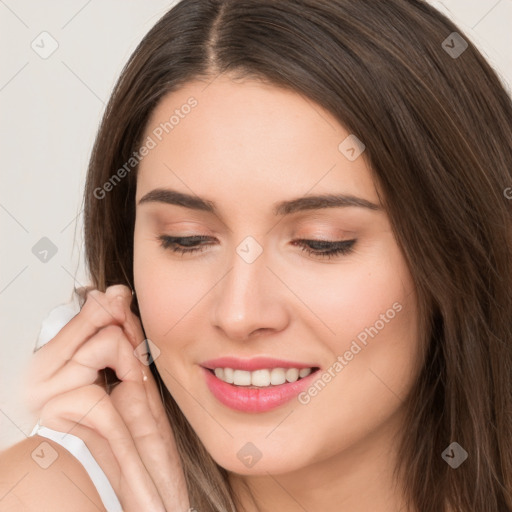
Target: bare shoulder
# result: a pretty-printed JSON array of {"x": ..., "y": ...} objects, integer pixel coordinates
[{"x": 40, "y": 475}]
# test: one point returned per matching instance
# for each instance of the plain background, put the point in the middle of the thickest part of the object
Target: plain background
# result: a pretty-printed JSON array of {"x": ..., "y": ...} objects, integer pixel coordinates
[{"x": 50, "y": 109}]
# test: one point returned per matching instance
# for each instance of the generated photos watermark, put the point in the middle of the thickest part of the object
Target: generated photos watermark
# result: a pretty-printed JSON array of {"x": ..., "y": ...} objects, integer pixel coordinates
[
  {"x": 355, "y": 348},
  {"x": 150, "y": 143}
]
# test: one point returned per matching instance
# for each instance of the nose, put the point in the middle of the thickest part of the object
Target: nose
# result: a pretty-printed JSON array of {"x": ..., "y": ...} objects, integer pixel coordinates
[{"x": 250, "y": 300}]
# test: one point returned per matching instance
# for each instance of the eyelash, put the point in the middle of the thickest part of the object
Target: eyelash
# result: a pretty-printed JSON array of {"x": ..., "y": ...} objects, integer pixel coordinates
[{"x": 341, "y": 247}]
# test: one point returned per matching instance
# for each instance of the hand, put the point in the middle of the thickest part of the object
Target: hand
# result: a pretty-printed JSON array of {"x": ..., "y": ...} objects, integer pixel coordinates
[{"x": 127, "y": 431}]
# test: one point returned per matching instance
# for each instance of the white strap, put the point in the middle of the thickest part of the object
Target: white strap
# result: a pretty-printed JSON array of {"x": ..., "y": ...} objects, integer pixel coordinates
[{"x": 78, "y": 448}]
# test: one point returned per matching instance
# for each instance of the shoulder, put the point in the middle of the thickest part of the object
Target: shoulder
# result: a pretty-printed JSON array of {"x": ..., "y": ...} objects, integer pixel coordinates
[{"x": 39, "y": 474}]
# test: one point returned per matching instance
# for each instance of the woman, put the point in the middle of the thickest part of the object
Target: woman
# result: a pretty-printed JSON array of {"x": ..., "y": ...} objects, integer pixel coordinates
[{"x": 308, "y": 201}]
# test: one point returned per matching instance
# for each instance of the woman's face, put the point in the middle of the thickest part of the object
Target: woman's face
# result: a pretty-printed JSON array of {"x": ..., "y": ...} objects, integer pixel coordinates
[{"x": 235, "y": 151}]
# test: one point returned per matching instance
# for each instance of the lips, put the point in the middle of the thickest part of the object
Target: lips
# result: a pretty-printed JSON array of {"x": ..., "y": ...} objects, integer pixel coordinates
[{"x": 255, "y": 399}]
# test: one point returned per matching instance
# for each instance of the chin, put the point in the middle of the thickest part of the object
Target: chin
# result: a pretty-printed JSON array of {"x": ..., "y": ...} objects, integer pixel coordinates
[
  {"x": 271, "y": 465},
  {"x": 261, "y": 457}
]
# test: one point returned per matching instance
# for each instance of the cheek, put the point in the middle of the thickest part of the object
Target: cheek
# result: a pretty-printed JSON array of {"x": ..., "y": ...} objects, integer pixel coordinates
[
  {"x": 166, "y": 291},
  {"x": 372, "y": 339},
  {"x": 345, "y": 300},
  {"x": 374, "y": 347}
]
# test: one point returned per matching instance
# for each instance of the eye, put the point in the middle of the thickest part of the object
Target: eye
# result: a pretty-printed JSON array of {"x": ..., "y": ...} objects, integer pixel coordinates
[
  {"x": 173, "y": 243},
  {"x": 320, "y": 248},
  {"x": 326, "y": 249}
]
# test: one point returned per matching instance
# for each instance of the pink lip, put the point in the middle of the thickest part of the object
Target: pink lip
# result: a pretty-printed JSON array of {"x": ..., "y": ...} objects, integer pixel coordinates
[
  {"x": 247, "y": 399},
  {"x": 254, "y": 363}
]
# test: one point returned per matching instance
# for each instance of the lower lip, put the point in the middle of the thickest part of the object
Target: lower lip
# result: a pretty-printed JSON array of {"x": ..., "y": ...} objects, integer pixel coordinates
[{"x": 242, "y": 398}]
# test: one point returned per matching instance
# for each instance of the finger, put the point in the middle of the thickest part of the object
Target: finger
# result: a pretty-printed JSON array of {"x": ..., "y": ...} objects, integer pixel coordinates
[
  {"x": 134, "y": 332},
  {"x": 156, "y": 405},
  {"x": 152, "y": 392},
  {"x": 131, "y": 322},
  {"x": 108, "y": 348},
  {"x": 133, "y": 329},
  {"x": 99, "y": 311},
  {"x": 90, "y": 406},
  {"x": 119, "y": 289},
  {"x": 151, "y": 429},
  {"x": 154, "y": 440},
  {"x": 111, "y": 291}
]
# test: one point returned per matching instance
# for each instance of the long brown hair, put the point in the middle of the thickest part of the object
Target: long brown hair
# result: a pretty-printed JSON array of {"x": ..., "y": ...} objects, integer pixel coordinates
[{"x": 437, "y": 126}]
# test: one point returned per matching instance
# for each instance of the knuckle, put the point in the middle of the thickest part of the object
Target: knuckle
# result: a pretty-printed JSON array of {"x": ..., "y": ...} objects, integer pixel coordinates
[
  {"x": 113, "y": 331},
  {"x": 93, "y": 301},
  {"x": 83, "y": 291},
  {"x": 80, "y": 405},
  {"x": 96, "y": 315},
  {"x": 118, "y": 289},
  {"x": 98, "y": 311},
  {"x": 92, "y": 294},
  {"x": 115, "y": 334}
]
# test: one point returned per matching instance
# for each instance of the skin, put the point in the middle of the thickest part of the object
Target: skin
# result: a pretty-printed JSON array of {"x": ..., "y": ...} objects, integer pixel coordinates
[{"x": 245, "y": 146}]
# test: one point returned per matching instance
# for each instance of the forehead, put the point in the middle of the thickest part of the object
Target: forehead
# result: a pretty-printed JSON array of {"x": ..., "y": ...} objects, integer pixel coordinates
[{"x": 236, "y": 136}]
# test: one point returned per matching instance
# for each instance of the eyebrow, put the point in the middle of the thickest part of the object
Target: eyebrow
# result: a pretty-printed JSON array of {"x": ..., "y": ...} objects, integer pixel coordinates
[{"x": 168, "y": 196}]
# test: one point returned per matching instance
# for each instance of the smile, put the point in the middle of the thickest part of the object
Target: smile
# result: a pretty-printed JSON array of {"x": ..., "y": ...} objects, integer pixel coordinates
[
  {"x": 243, "y": 395},
  {"x": 261, "y": 378}
]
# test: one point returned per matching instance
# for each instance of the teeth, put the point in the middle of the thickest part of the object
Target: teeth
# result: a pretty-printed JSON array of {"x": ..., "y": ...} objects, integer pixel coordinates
[
  {"x": 277, "y": 376},
  {"x": 241, "y": 378},
  {"x": 292, "y": 374},
  {"x": 228, "y": 375},
  {"x": 261, "y": 378},
  {"x": 304, "y": 372}
]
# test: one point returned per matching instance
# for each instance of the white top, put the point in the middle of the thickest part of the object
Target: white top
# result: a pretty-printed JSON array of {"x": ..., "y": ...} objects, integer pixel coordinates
[{"x": 52, "y": 324}]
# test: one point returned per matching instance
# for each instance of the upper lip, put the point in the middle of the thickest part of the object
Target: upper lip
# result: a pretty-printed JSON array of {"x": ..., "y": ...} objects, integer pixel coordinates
[{"x": 254, "y": 363}]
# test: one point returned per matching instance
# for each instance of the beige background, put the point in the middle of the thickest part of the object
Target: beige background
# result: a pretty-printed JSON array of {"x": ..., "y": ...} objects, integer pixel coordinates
[{"x": 50, "y": 109}]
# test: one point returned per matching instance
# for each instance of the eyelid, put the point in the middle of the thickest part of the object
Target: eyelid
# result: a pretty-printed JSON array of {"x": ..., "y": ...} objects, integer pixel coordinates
[
  {"x": 345, "y": 237},
  {"x": 328, "y": 233},
  {"x": 334, "y": 248}
]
